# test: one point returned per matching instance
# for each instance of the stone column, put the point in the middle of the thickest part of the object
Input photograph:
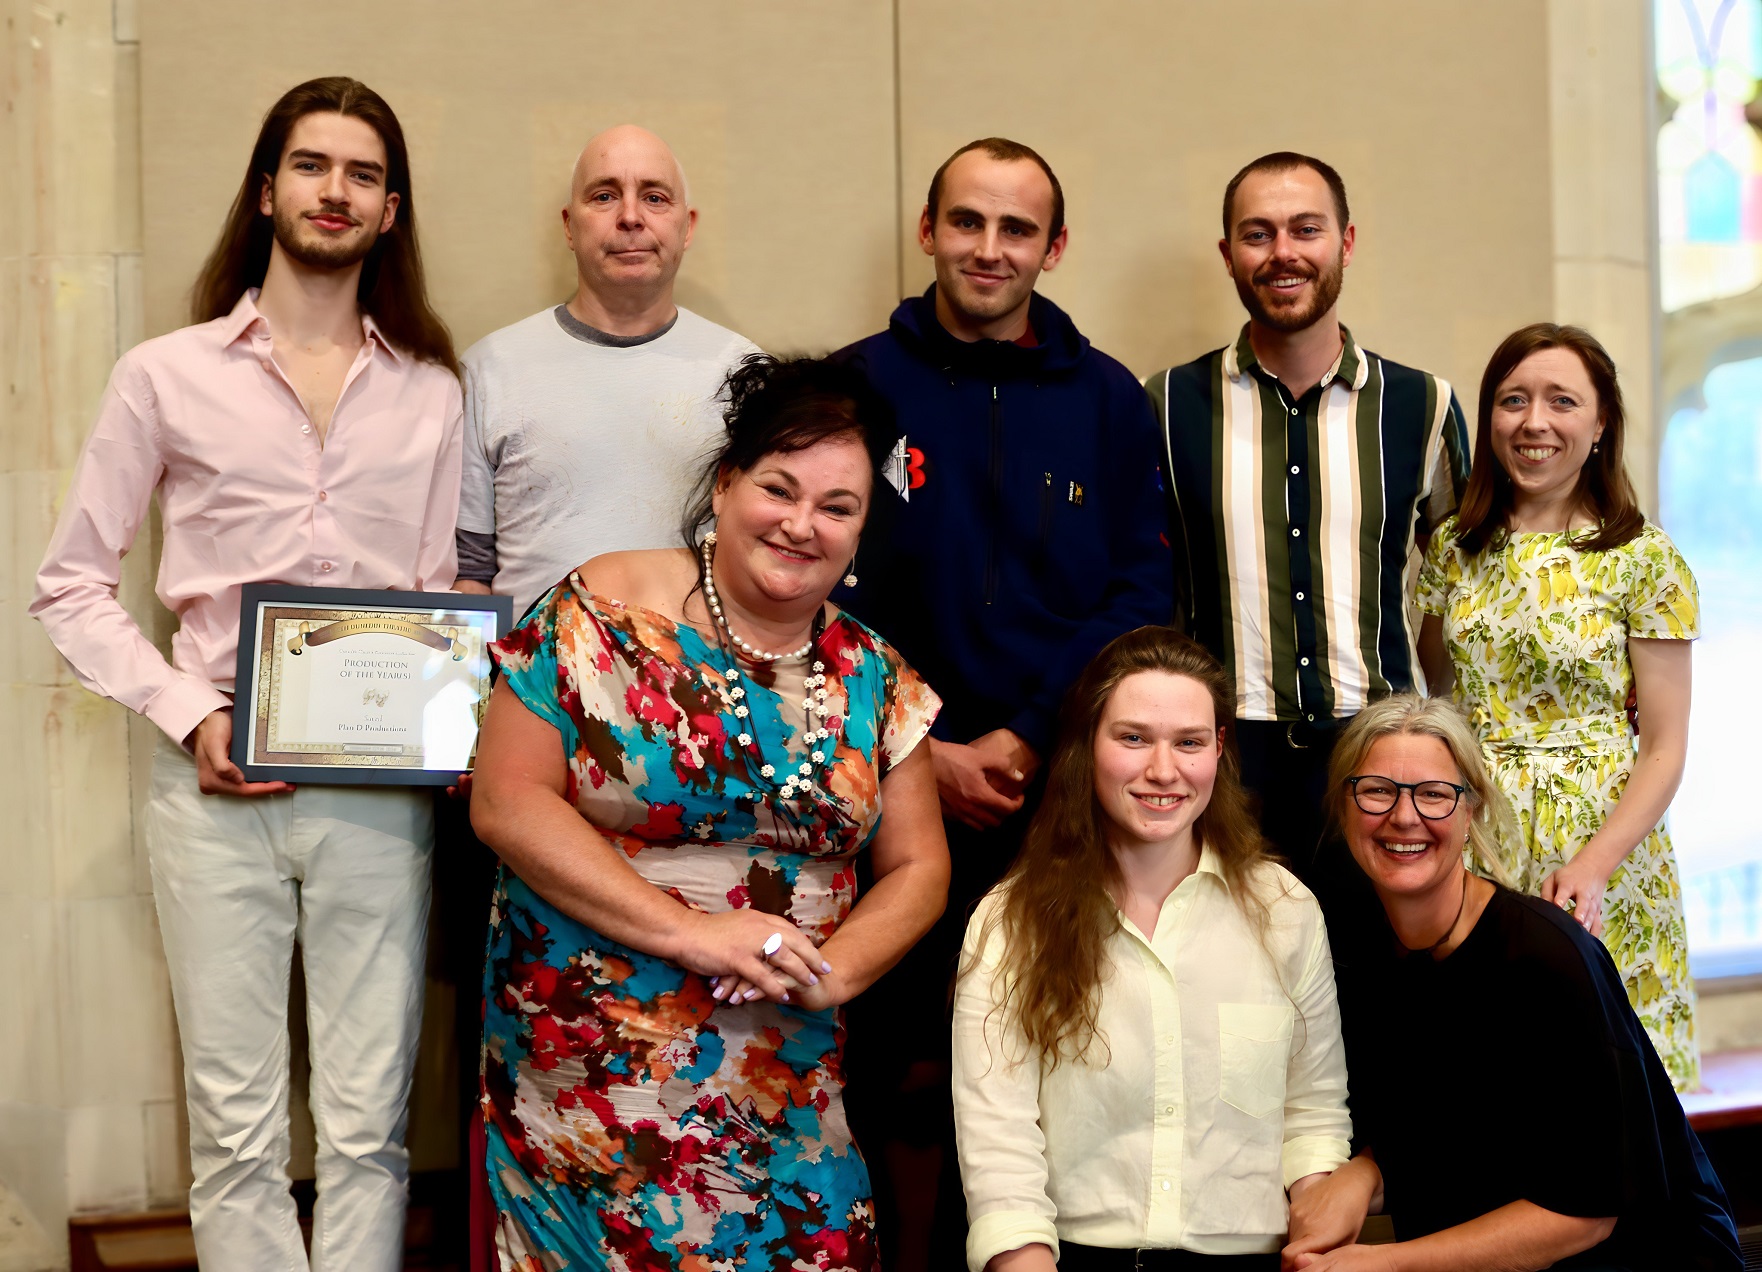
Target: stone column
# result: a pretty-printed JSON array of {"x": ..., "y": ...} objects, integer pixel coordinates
[
  {"x": 1605, "y": 202},
  {"x": 90, "y": 1101}
]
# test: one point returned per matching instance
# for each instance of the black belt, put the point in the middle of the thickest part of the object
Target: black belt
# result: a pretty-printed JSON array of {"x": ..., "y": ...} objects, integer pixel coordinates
[
  {"x": 1073, "y": 1257},
  {"x": 1303, "y": 735}
]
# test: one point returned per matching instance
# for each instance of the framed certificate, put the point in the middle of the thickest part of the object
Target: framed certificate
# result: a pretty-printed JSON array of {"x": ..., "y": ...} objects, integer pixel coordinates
[{"x": 343, "y": 686}]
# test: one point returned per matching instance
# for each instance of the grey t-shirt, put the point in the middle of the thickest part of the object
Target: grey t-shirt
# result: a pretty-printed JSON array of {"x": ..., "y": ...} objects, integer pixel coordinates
[{"x": 579, "y": 443}]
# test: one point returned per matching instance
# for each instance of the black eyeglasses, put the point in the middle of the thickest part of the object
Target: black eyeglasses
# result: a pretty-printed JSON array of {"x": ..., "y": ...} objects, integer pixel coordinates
[{"x": 1432, "y": 800}]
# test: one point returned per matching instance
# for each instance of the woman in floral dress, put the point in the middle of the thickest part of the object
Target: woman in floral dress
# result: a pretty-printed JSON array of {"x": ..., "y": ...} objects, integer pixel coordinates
[
  {"x": 1552, "y": 604},
  {"x": 678, "y": 811}
]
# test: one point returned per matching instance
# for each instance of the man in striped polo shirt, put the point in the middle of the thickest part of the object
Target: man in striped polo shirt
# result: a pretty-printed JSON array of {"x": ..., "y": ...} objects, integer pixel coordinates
[{"x": 1306, "y": 474}]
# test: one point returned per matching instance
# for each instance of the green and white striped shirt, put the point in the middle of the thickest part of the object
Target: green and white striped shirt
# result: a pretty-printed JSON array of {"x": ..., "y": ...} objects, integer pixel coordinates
[{"x": 1301, "y": 519}]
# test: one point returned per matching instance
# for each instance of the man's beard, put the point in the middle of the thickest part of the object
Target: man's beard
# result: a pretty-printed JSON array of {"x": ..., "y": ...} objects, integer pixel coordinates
[
  {"x": 320, "y": 253},
  {"x": 1322, "y": 298}
]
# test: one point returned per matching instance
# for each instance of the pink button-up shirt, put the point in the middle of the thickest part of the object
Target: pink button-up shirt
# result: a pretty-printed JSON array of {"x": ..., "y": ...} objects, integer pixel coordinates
[{"x": 247, "y": 494}]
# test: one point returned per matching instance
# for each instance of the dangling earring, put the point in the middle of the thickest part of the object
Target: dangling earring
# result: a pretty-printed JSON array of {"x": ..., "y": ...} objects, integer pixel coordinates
[
  {"x": 850, "y": 575},
  {"x": 1594, "y": 446}
]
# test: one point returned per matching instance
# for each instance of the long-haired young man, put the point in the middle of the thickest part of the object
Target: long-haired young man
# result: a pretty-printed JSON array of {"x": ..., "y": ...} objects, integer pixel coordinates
[{"x": 305, "y": 431}]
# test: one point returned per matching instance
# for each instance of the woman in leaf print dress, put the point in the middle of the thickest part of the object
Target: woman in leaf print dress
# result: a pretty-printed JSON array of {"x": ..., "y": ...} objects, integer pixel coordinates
[
  {"x": 678, "y": 809},
  {"x": 1549, "y": 599}
]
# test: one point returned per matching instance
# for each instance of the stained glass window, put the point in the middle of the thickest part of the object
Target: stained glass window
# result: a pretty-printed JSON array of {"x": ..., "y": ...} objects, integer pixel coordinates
[
  {"x": 1710, "y": 470},
  {"x": 1710, "y": 488},
  {"x": 1709, "y": 157}
]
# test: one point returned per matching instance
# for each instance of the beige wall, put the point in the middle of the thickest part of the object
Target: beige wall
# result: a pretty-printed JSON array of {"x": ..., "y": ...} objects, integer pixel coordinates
[
  {"x": 1435, "y": 114},
  {"x": 1495, "y": 150},
  {"x": 780, "y": 110},
  {"x": 89, "y": 1088},
  {"x": 785, "y": 116}
]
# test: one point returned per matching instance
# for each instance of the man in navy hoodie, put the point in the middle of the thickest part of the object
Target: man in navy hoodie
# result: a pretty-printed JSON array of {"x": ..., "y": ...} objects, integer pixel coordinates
[{"x": 1029, "y": 530}]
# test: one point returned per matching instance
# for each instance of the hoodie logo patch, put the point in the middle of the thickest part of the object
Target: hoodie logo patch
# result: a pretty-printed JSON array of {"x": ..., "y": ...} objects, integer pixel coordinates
[{"x": 905, "y": 469}]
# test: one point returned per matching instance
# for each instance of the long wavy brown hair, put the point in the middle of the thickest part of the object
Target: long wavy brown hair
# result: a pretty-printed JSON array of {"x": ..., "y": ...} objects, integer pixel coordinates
[
  {"x": 1604, "y": 490},
  {"x": 1057, "y": 911},
  {"x": 392, "y": 288}
]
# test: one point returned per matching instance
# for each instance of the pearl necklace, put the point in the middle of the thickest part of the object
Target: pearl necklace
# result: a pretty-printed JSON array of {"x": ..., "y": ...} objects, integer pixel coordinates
[
  {"x": 715, "y": 603},
  {"x": 727, "y": 685}
]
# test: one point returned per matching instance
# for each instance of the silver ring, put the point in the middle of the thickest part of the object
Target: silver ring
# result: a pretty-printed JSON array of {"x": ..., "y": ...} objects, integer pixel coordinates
[{"x": 773, "y": 943}]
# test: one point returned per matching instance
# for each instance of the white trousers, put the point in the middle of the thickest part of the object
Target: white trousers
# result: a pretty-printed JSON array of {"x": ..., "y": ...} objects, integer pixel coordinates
[{"x": 343, "y": 870}]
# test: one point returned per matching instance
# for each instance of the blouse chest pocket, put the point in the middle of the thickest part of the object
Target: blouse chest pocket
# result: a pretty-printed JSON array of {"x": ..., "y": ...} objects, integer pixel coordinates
[{"x": 1254, "y": 1046}]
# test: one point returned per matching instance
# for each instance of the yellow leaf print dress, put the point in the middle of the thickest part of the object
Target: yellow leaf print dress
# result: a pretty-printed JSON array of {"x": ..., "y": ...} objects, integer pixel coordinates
[{"x": 1537, "y": 632}]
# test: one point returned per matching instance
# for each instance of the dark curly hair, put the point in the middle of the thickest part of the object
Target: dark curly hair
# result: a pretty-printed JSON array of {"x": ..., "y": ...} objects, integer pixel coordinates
[{"x": 783, "y": 405}]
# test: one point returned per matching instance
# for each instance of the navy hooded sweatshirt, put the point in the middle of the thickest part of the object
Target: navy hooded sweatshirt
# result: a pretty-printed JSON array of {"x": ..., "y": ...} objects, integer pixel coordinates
[{"x": 1031, "y": 527}]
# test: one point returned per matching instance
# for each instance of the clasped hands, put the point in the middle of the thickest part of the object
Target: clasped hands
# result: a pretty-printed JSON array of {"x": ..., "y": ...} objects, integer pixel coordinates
[
  {"x": 728, "y": 947},
  {"x": 1327, "y": 1214},
  {"x": 982, "y": 782}
]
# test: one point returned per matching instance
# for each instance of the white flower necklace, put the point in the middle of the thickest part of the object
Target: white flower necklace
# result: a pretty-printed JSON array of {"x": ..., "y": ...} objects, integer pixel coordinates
[{"x": 813, "y": 684}]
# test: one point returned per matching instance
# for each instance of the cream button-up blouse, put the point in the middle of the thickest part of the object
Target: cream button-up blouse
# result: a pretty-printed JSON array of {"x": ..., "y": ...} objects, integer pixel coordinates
[{"x": 1218, "y": 1078}]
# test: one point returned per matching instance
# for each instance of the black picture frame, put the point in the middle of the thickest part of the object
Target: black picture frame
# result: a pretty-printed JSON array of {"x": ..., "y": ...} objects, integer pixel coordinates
[{"x": 490, "y": 616}]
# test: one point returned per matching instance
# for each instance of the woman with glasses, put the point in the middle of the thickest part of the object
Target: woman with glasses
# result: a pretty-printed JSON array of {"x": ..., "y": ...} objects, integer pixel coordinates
[
  {"x": 1551, "y": 600},
  {"x": 1146, "y": 1042},
  {"x": 1466, "y": 987}
]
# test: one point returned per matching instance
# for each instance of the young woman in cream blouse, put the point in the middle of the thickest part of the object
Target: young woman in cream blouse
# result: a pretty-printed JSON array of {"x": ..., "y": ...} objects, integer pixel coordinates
[{"x": 1147, "y": 1054}]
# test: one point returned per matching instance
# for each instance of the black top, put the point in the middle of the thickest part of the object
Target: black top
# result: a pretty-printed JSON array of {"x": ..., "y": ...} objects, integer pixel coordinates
[{"x": 1515, "y": 1070}]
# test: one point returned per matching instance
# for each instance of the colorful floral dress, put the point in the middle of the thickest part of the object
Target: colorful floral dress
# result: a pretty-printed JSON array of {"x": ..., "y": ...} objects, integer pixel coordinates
[
  {"x": 1537, "y": 632},
  {"x": 633, "y": 1122}
]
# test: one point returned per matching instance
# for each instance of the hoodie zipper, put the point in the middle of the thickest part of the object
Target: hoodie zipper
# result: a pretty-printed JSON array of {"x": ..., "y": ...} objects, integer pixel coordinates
[
  {"x": 996, "y": 498},
  {"x": 1045, "y": 518}
]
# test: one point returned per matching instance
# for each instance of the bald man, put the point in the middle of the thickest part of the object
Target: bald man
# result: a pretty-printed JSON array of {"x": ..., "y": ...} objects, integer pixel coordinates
[{"x": 584, "y": 422}]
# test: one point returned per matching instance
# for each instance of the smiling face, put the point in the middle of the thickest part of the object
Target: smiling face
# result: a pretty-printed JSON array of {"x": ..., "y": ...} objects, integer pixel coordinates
[
  {"x": 787, "y": 527},
  {"x": 1287, "y": 251},
  {"x": 1156, "y": 758},
  {"x": 990, "y": 242},
  {"x": 1546, "y": 418},
  {"x": 628, "y": 220},
  {"x": 328, "y": 198},
  {"x": 1403, "y": 853}
]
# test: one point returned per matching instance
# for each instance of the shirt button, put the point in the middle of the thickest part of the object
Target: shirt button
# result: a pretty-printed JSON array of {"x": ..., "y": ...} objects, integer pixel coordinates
[
  {"x": 1166, "y": 1185},
  {"x": 1168, "y": 1108},
  {"x": 323, "y": 496},
  {"x": 305, "y": 428},
  {"x": 326, "y": 567},
  {"x": 1309, "y": 717},
  {"x": 1303, "y": 662},
  {"x": 1293, "y": 411},
  {"x": 1300, "y": 596},
  {"x": 1296, "y": 532},
  {"x": 1295, "y": 470}
]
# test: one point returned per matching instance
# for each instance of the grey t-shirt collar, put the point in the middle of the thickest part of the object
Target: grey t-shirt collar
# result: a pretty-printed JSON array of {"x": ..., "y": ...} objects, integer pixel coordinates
[{"x": 593, "y": 335}]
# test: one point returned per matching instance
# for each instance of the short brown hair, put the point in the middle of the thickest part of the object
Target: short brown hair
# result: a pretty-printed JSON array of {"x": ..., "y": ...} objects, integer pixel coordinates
[
  {"x": 1004, "y": 151},
  {"x": 1284, "y": 161},
  {"x": 1604, "y": 489}
]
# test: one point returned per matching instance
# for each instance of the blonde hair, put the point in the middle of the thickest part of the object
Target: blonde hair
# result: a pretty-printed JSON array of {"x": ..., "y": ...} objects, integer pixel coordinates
[{"x": 1490, "y": 822}]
